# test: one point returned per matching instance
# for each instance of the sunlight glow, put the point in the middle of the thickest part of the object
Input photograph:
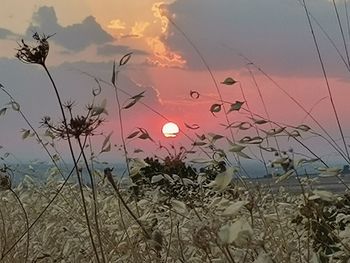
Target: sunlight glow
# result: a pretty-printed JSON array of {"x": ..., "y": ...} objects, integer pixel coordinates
[{"x": 170, "y": 130}]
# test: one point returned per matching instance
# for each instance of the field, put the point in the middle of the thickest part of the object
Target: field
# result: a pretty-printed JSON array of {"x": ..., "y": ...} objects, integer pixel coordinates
[{"x": 188, "y": 204}]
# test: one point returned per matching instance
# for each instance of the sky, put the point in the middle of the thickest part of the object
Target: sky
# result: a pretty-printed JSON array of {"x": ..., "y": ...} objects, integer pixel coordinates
[{"x": 177, "y": 46}]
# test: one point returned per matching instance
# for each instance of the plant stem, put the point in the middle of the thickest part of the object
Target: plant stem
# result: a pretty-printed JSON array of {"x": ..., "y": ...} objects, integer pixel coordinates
[
  {"x": 74, "y": 161},
  {"x": 326, "y": 79},
  {"x": 93, "y": 186}
]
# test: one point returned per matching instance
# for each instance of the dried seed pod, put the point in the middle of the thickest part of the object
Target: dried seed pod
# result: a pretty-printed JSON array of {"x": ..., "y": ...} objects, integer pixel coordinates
[{"x": 5, "y": 181}]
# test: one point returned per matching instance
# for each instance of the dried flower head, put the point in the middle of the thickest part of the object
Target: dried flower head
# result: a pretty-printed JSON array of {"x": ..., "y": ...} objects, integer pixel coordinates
[
  {"x": 34, "y": 54},
  {"x": 5, "y": 181}
]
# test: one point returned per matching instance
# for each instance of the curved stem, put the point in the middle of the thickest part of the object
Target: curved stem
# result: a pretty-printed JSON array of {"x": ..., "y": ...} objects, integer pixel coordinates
[{"x": 74, "y": 161}]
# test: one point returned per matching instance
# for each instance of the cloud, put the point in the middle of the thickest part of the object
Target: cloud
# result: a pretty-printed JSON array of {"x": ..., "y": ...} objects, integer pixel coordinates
[
  {"x": 109, "y": 49},
  {"x": 74, "y": 37},
  {"x": 275, "y": 34},
  {"x": 116, "y": 24},
  {"x": 138, "y": 28},
  {"x": 4, "y": 33}
]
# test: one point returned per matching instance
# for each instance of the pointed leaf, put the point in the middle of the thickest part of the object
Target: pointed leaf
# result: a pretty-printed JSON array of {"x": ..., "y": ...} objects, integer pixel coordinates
[
  {"x": 133, "y": 135},
  {"x": 3, "y": 111},
  {"x": 107, "y": 149},
  {"x": 215, "y": 108},
  {"x": 229, "y": 81},
  {"x": 106, "y": 140},
  {"x": 125, "y": 59},
  {"x": 113, "y": 74},
  {"x": 15, "y": 106},
  {"x": 303, "y": 127},
  {"x": 285, "y": 176},
  {"x": 192, "y": 127},
  {"x": 242, "y": 154},
  {"x": 234, "y": 208},
  {"x": 236, "y": 106},
  {"x": 25, "y": 134},
  {"x": 236, "y": 148},
  {"x": 199, "y": 143}
]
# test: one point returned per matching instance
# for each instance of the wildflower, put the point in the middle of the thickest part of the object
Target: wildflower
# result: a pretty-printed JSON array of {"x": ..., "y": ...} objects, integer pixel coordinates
[{"x": 34, "y": 54}]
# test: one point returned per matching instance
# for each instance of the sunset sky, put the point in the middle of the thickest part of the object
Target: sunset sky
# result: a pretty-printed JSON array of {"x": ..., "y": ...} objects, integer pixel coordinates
[{"x": 90, "y": 35}]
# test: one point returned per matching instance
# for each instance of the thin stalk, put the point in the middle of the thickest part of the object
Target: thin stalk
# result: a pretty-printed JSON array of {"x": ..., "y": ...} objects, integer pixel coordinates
[
  {"x": 114, "y": 185},
  {"x": 74, "y": 161},
  {"x": 326, "y": 80},
  {"x": 263, "y": 103},
  {"x": 58, "y": 192},
  {"x": 341, "y": 31},
  {"x": 94, "y": 197},
  {"x": 26, "y": 219},
  {"x": 347, "y": 159},
  {"x": 347, "y": 17}
]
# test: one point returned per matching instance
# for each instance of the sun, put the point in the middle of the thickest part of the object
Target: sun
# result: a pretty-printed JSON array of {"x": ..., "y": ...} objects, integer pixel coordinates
[{"x": 170, "y": 130}]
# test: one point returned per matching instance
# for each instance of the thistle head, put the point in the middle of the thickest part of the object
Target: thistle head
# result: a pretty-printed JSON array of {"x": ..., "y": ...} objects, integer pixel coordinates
[{"x": 36, "y": 54}]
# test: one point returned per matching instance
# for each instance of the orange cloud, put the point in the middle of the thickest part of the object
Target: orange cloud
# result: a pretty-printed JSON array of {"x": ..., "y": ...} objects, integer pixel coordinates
[
  {"x": 116, "y": 24},
  {"x": 138, "y": 28},
  {"x": 163, "y": 56}
]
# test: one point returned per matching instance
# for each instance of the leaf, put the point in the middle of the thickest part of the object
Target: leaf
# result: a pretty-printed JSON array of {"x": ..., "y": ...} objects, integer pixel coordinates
[
  {"x": 113, "y": 74},
  {"x": 144, "y": 135},
  {"x": 259, "y": 121},
  {"x": 194, "y": 94},
  {"x": 268, "y": 149},
  {"x": 324, "y": 195},
  {"x": 242, "y": 154},
  {"x": 106, "y": 140},
  {"x": 236, "y": 148},
  {"x": 107, "y": 149},
  {"x": 272, "y": 132},
  {"x": 229, "y": 81},
  {"x": 25, "y": 134},
  {"x": 222, "y": 180},
  {"x": 178, "y": 206},
  {"x": 331, "y": 171},
  {"x": 215, "y": 137},
  {"x": 15, "y": 106},
  {"x": 201, "y": 137},
  {"x": 236, "y": 106},
  {"x": 192, "y": 127},
  {"x": 302, "y": 161},
  {"x": 303, "y": 127},
  {"x": 134, "y": 100},
  {"x": 234, "y": 208},
  {"x": 125, "y": 59},
  {"x": 157, "y": 178},
  {"x": 294, "y": 134},
  {"x": 196, "y": 143},
  {"x": 97, "y": 110},
  {"x": 239, "y": 233},
  {"x": 215, "y": 108},
  {"x": 284, "y": 176},
  {"x": 3, "y": 111},
  {"x": 250, "y": 140},
  {"x": 133, "y": 135}
]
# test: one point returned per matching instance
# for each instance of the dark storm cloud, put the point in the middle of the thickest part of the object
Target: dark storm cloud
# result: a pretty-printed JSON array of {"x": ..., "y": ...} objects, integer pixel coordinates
[
  {"x": 273, "y": 33},
  {"x": 74, "y": 37},
  {"x": 4, "y": 33},
  {"x": 110, "y": 50}
]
